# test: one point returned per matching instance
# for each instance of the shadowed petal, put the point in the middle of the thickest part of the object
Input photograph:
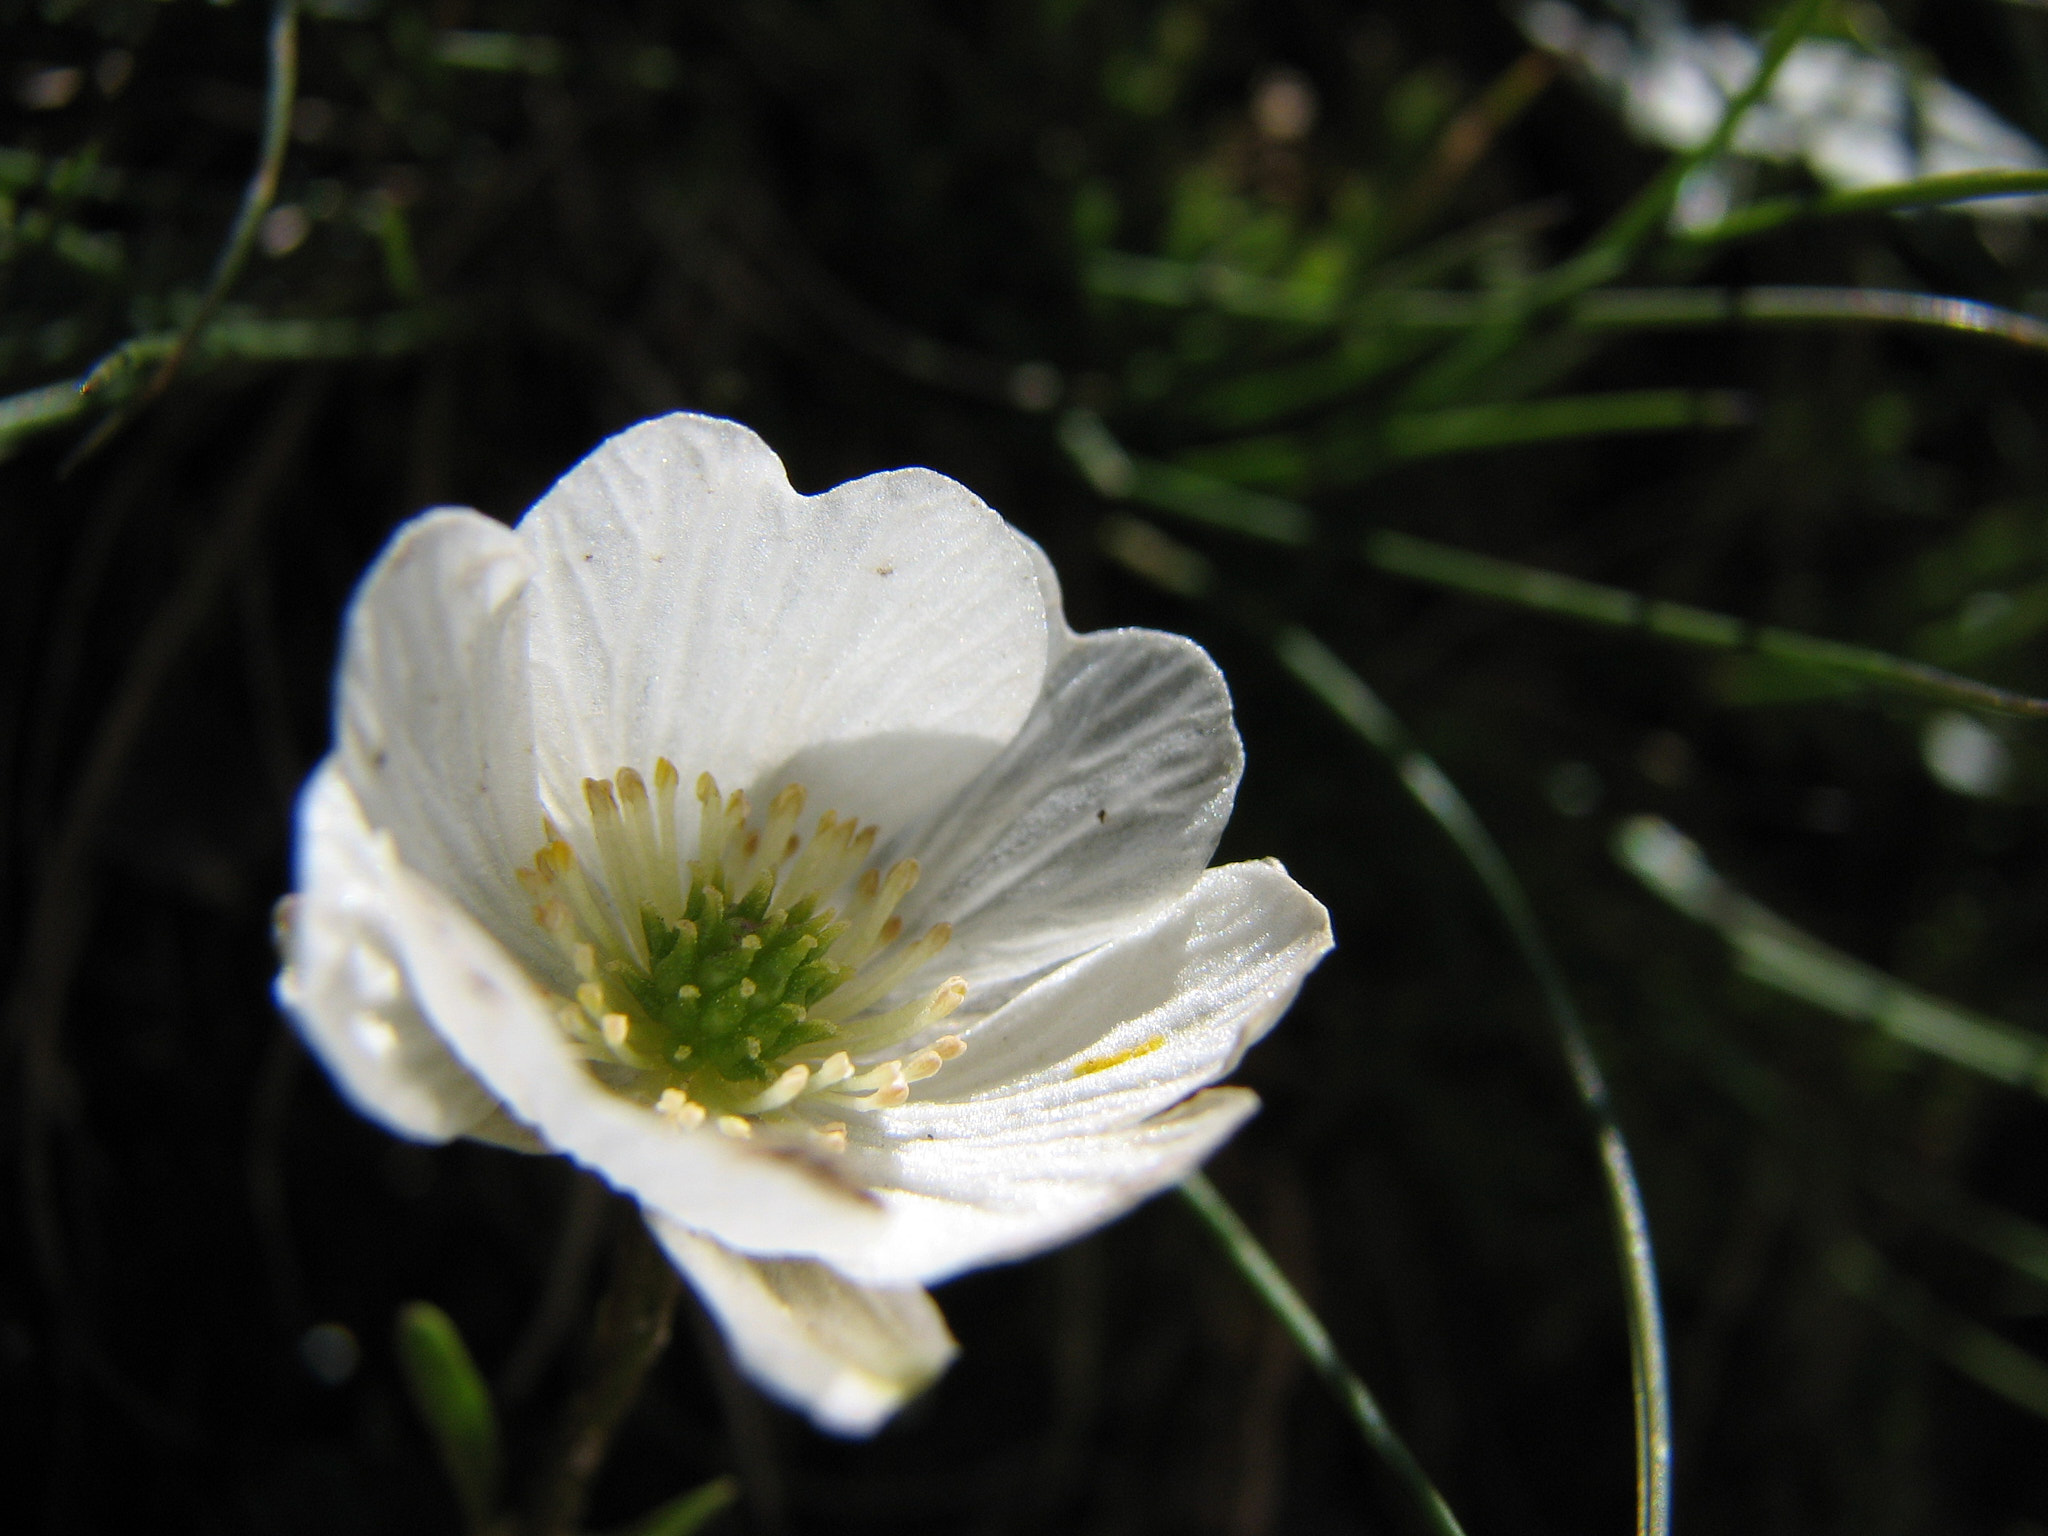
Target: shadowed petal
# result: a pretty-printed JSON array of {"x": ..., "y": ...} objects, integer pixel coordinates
[
  {"x": 432, "y": 728},
  {"x": 693, "y": 605},
  {"x": 343, "y": 983},
  {"x": 847, "y": 1355},
  {"x": 1108, "y": 802}
]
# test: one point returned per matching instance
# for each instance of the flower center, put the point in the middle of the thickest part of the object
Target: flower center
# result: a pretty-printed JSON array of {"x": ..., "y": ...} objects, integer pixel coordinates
[{"x": 726, "y": 988}]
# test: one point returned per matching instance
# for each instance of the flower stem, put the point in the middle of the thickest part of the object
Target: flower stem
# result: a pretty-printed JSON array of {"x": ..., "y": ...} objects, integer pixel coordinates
[
  {"x": 1313, "y": 1339},
  {"x": 1348, "y": 696},
  {"x": 631, "y": 1332}
]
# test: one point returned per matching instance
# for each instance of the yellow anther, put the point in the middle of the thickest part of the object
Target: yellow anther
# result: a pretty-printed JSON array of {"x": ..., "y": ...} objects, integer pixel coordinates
[
  {"x": 738, "y": 1127},
  {"x": 679, "y": 1109}
]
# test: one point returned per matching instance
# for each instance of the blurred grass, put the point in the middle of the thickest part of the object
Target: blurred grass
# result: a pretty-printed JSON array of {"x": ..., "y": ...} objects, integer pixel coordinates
[{"x": 1311, "y": 280}]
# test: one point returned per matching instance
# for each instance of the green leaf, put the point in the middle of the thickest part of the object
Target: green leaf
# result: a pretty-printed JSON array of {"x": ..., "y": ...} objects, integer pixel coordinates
[
  {"x": 456, "y": 1404},
  {"x": 687, "y": 1512}
]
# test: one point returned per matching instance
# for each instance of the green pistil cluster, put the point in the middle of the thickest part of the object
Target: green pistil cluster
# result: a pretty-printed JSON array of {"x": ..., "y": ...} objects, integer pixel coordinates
[
  {"x": 729, "y": 987},
  {"x": 706, "y": 994}
]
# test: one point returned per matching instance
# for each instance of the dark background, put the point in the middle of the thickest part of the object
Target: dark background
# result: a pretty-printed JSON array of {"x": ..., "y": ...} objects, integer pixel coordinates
[{"x": 847, "y": 224}]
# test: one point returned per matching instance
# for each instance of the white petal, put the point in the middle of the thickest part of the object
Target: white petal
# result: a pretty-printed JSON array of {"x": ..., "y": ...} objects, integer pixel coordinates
[
  {"x": 432, "y": 721},
  {"x": 1068, "y": 1108},
  {"x": 1109, "y": 802},
  {"x": 848, "y": 1355},
  {"x": 1203, "y": 978},
  {"x": 878, "y": 642},
  {"x": 499, "y": 1024},
  {"x": 990, "y": 1203},
  {"x": 343, "y": 984}
]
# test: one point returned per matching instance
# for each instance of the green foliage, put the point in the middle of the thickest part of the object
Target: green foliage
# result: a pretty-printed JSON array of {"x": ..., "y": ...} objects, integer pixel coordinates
[
  {"x": 686, "y": 1513},
  {"x": 455, "y": 1404}
]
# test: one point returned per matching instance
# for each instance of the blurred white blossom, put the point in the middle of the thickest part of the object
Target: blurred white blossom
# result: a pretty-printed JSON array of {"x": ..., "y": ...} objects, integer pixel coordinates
[{"x": 1853, "y": 118}]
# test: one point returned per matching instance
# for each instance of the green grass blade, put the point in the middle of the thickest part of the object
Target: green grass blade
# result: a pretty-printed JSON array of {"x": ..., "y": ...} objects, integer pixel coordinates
[
  {"x": 687, "y": 1513},
  {"x": 1608, "y": 254},
  {"x": 451, "y": 1397},
  {"x": 1401, "y": 554},
  {"x": 1969, "y": 1347},
  {"x": 1774, "y": 952},
  {"x": 1651, "y": 208},
  {"x": 38, "y": 410},
  {"x": 231, "y": 338},
  {"x": 1464, "y": 429},
  {"x": 1653, "y": 308},
  {"x": 1150, "y": 554},
  {"x": 1317, "y": 1347},
  {"x": 1926, "y": 192},
  {"x": 1347, "y": 696}
]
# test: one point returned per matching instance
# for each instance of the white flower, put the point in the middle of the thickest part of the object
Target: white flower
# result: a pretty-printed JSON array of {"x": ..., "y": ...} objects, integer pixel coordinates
[
  {"x": 1856, "y": 119},
  {"x": 957, "y": 998}
]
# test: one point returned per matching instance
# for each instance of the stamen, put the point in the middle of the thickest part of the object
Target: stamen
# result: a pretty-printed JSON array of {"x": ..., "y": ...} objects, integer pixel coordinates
[
  {"x": 873, "y": 907},
  {"x": 882, "y": 1087},
  {"x": 621, "y": 870},
  {"x": 658, "y": 876},
  {"x": 773, "y": 848},
  {"x": 731, "y": 992},
  {"x": 876, "y": 982},
  {"x": 832, "y": 1071},
  {"x": 734, "y": 854},
  {"x": 679, "y": 1109},
  {"x": 666, "y": 779},
  {"x": 884, "y": 1029},
  {"x": 710, "y": 828},
  {"x": 780, "y": 1092},
  {"x": 556, "y": 863}
]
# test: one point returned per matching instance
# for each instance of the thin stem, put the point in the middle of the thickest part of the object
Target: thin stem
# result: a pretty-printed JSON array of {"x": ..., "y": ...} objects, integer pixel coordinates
[
  {"x": 1770, "y": 950},
  {"x": 233, "y": 338},
  {"x": 1644, "y": 308},
  {"x": 1313, "y": 1339},
  {"x": 1627, "y": 231},
  {"x": 1441, "y": 565},
  {"x": 234, "y": 254},
  {"x": 633, "y": 1322},
  {"x": 1347, "y": 696},
  {"x": 1899, "y": 197},
  {"x": 1511, "y": 423}
]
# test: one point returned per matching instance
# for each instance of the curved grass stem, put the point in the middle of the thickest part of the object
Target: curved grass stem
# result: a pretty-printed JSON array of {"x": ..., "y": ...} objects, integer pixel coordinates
[
  {"x": 1347, "y": 696},
  {"x": 1316, "y": 1345}
]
